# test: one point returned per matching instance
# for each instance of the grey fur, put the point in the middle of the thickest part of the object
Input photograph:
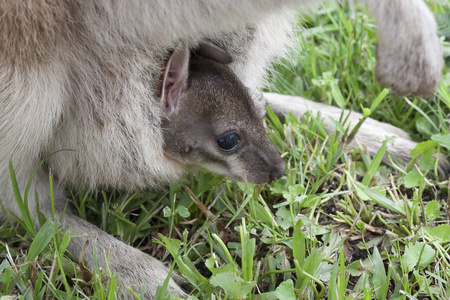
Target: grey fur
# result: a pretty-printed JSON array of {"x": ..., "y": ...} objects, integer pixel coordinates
[{"x": 84, "y": 75}]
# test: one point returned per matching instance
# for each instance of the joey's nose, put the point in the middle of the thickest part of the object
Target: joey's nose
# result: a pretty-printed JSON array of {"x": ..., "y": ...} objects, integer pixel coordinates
[{"x": 277, "y": 171}]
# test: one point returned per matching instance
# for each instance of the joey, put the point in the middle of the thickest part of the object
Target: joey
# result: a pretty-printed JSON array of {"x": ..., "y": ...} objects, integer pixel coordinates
[
  {"x": 84, "y": 76},
  {"x": 211, "y": 121}
]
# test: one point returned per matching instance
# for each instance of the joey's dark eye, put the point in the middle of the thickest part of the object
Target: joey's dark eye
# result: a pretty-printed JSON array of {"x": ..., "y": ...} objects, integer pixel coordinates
[{"x": 228, "y": 142}]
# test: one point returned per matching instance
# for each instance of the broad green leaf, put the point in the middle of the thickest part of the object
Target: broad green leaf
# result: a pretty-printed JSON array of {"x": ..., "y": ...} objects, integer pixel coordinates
[
  {"x": 167, "y": 212},
  {"x": 278, "y": 187},
  {"x": 443, "y": 90},
  {"x": 421, "y": 148},
  {"x": 298, "y": 243},
  {"x": 374, "y": 164},
  {"x": 38, "y": 286},
  {"x": 311, "y": 265},
  {"x": 4, "y": 265},
  {"x": 355, "y": 268},
  {"x": 262, "y": 214},
  {"x": 442, "y": 139},
  {"x": 285, "y": 290},
  {"x": 43, "y": 237},
  {"x": 312, "y": 229},
  {"x": 333, "y": 290},
  {"x": 413, "y": 179},
  {"x": 183, "y": 211},
  {"x": 293, "y": 192},
  {"x": 248, "y": 251},
  {"x": 229, "y": 268},
  {"x": 268, "y": 296},
  {"x": 421, "y": 280},
  {"x": 329, "y": 80},
  {"x": 433, "y": 209},
  {"x": 210, "y": 263},
  {"x": 441, "y": 232},
  {"x": 366, "y": 112},
  {"x": 232, "y": 284},
  {"x": 425, "y": 125},
  {"x": 418, "y": 254},
  {"x": 381, "y": 200},
  {"x": 6, "y": 280},
  {"x": 283, "y": 218},
  {"x": 310, "y": 201},
  {"x": 380, "y": 282},
  {"x": 427, "y": 160},
  {"x": 378, "y": 100}
]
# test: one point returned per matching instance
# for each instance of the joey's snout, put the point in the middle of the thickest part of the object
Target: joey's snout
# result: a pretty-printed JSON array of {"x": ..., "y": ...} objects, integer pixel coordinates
[
  {"x": 275, "y": 167},
  {"x": 277, "y": 170},
  {"x": 261, "y": 163}
]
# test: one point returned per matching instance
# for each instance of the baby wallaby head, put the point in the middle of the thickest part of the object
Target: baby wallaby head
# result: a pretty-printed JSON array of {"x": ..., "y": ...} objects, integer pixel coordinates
[{"x": 211, "y": 121}]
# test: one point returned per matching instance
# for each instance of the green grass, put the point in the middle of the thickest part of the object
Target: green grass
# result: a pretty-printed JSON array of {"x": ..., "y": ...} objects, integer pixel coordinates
[{"x": 338, "y": 225}]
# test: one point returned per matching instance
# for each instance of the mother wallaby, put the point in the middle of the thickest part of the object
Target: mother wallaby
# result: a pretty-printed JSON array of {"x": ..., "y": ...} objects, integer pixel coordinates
[{"x": 96, "y": 77}]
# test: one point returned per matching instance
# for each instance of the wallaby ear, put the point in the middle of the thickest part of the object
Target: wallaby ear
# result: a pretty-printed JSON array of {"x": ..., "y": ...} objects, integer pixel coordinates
[
  {"x": 175, "y": 77},
  {"x": 210, "y": 50}
]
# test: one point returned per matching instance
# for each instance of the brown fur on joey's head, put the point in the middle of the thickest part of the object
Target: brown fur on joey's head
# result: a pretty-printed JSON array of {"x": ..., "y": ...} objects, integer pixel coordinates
[{"x": 212, "y": 122}]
